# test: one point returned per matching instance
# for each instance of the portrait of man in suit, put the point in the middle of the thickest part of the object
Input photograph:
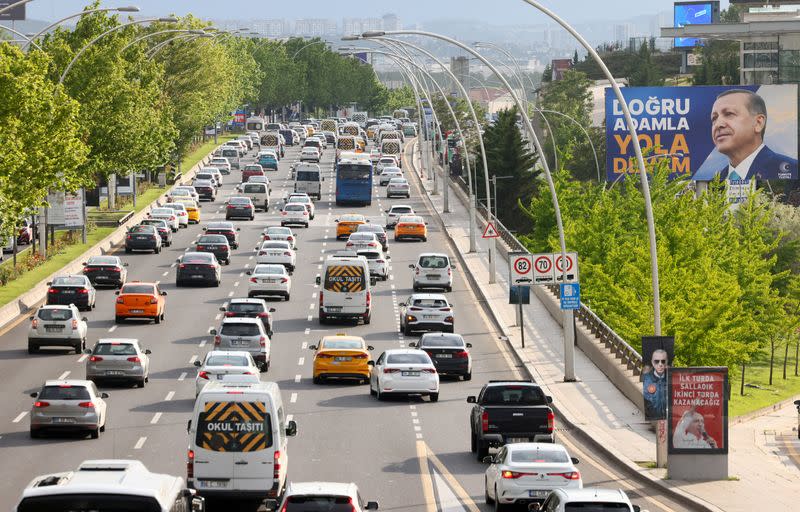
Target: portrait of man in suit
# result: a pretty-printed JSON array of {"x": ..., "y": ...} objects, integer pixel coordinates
[{"x": 738, "y": 125}]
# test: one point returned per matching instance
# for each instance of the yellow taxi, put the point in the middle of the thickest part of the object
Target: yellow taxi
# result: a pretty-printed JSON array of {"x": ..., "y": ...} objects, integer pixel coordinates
[
  {"x": 193, "y": 209},
  {"x": 361, "y": 144},
  {"x": 411, "y": 227},
  {"x": 371, "y": 131},
  {"x": 341, "y": 357},
  {"x": 348, "y": 223},
  {"x": 140, "y": 300},
  {"x": 310, "y": 130}
]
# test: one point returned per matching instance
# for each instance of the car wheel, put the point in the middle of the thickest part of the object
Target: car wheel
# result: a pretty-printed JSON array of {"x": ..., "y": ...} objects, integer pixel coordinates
[
  {"x": 287, "y": 297},
  {"x": 35, "y": 434},
  {"x": 216, "y": 284},
  {"x": 468, "y": 376},
  {"x": 380, "y": 396},
  {"x": 103, "y": 428},
  {"x": 118, "y": 319},
  {"x": 434, "y": 397},
  {"x": 416, "y": 288},
  {"x": 163, "y": 315},
  {"x": 265, "y": 367},
  {"x": 473, "y": 445},
  {"x": 140, "y": 383},
  {"x": 32, "y": 349},
  {"x": 157, "y": 319},
  {"x": 497, "y": 505},
  {"x": 450, "y": 329},
  {"x": 486, "y": 496},
  {"x": 371, "y": 391},
  {"x": 407, "y": 330},
  {"x": 367, "y": 318},
  {"x": 127, "y": 251},
  {"x": 482, "y": 450},
  {"x": 77, "y": 348},
  {"x": 95, "y": 433},
  {"x": 424, "y": 238},
  {"x": 317, "y": 380}
]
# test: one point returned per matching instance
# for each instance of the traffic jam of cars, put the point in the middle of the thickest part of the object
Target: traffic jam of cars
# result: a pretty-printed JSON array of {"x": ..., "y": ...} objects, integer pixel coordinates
[{"x": 264, "y": 225}]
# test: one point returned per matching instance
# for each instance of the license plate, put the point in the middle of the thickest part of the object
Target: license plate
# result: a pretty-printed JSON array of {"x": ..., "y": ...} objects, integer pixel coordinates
[
  {"x": 444, "y": 356},
  {"x": 53, "y": 328},
  {"x": 63, "y": 420},
  {"x": 68, "y": 291},
  {"x": 516, "y": 440},
  {"x": 197, "y": 277},
  {"x": 100, "y": 278},
  {"x": 432, "y": 276},
  {"x": 240, "y": 343},
  {"x": 220, "y": 376},
  {"x": 409, "y": 374},
  {"x": 213, "y": 483},
  {"x": 539, "y": 493},
  {"x": 334, "y": 308},
  {"x": 343, "y": 358},
  {"x": 134, "y": 311},
  {"x": 269, "y": 280},
  {"x": 428, "y": 317},
  {"x": 276, "y": 254},
  {"x": 114, "y": 372}
]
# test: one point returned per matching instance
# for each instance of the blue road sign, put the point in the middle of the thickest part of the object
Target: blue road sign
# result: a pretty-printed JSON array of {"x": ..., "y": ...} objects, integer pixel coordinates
[{"x": 570, "y": 296}]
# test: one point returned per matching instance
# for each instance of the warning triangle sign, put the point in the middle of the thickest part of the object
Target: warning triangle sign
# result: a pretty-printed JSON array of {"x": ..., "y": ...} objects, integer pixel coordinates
[{"x": 490, "y": 232}]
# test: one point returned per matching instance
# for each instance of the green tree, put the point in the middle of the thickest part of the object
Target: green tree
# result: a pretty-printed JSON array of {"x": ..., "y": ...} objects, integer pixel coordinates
[
  {"x": 643, "y": 71},
  {"x": 720, "y": 59},
  {"x": 400, "y": 98}
]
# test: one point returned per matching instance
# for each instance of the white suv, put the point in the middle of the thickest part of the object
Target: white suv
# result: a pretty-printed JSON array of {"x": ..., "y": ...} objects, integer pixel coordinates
[
  {"x": 426, "y": 312},
  {"x": 433, "y": 270},
  {"x": 57, "y": 326},
  {"x": 590, "y": 498},
  {"x": 395, "y": 212},
  {"x": 303, "y": 496}
]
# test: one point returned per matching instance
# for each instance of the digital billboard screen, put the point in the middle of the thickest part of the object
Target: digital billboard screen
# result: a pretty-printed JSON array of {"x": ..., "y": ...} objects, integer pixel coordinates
[{"x": 692, "y": 13}]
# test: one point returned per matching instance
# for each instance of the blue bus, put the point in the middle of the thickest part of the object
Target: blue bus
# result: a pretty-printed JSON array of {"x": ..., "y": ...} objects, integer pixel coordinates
[{"x": 354, "y": 182}]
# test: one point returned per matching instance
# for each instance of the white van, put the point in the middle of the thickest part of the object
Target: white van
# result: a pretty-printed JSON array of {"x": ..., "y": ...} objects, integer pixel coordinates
[
  {"x": 238, "y": 440},
  {"x": 308, "y": 179},
  {"x": 232, "y": 154},
  {"x": 258, "y": 193},
  {"x": 345, "y": 289},
  {"x": 392, "y": 147}
]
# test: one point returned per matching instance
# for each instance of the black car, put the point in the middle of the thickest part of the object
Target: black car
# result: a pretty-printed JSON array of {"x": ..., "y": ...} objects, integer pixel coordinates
[
  {"x": 75, "y": 289},
  {"x": 215, "y": 244},
  {"x": 143, "y": 238},
  {"x": 163, "y": 229},
  {"x": 205, "y": 189},
  {"x": 251, "y": 308},
  {"x": 224, "y": 228},
  {"x": 240, "y": 207},
  {"x": 379, "y": 232},
  {"x": 198, "y": 267},
  {"x": 449, "y": 353},
  {"x": 106, "y": 271}
]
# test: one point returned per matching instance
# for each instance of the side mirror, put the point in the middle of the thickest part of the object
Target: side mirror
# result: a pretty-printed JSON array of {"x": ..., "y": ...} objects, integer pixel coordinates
[
  {"x": 212, "y": 332},
  {"x": 637, "y": 508},
  {"x": 35, "y": 395},
  {"x": 104, "y": 395},
  {"x": 163, "y": 294},
  {"x": 472, "y": 400},
  {"x": 412, "y": 266},
  {"x": 125, "y": 264},
  {"x": 291, "y": 429},
  {"x": 249, "y": 273},
  {"x": 49, "y": 283},
  {"x": 148, "y": 352},
  {"x": 373, "y": 281},
  {"x": 87, "y": 351},
  {"x": 116, "y": 292},
  {"x": 31, "y": 318},
  {"x": 238, "y": 229},
  {"x": 189, "y": 426},
  {"x": 198, "y": 364},
  {"x": 412, "y": 344},
  {"x": 469, "y": 345},
  {"x": 272, "y": 310},
  {"x": 534, "y": 507},
  {"x": 549, "y": 399},
  {"x": 177, "y": 260},
  {"x": 312, "y": 347},
  {"x": 222, "y": 308},
  {"x": 575, "y": 460},
  {"x": 85, "y": 319},
  {"x": 488, "y": 459},
  {"x": 370, "y": 347},
  {"x": 336, "y": 220},
  {"x": 388, "y": 256},
  {"x": 318, "y": 280},
  {"x": 323, "y": 179},
  {"x": 370, "y": 363},
  {"x": 84, "y": 263},
  {"x": 371, "y": 505},
  {"x": 402, "y": 304}
]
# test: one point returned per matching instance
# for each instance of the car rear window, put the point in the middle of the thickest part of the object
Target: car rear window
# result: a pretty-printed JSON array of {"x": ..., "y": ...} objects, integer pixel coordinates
[
  {"x": 255, "y": 188},
  {"x": 408, "y": 359},
  {"x": 362, "y": 236},
  {"x": 442, "y": 341},
  {"x": 230, "y": 152},
  {"x": 317, "y": 503},
  {"x": 278, "y": 231},
  {"x": 143, "y": 229},
  {"x": 370, "y": 255},
  {"x": 158, "y": 223},
  {"x": 429, "y": 303},
  {"x": 555, "y": 456},
  {"x": 212, "y": 239},
  {"x": 64, "y": 392},
  {"x": 269, "y": 269},
  {"x": 577, "y": 506},
  {"x": 139, "y": 288},
  {"x": 102, "y": 260},
  {"x": 237, "y": 329},
  {"x": 245, "y": 307},
  {"x": 234, "y": 427},
  {"x": 275, "y": 245},
  {"x": 69, "y": 281},
  {"x": 114, "y": 349},
  {"x": 55, "y": 314},
  {"x": 239, "y": 200},
  {"x": 253, "y": 168},
  {"x": 198, "y": 258},
  {"x": 433, "y": 262},
  {"x": 342, "y": 344},
  {"x": 226, "y": 360},
  {"x": 294, "y": 208},
  {"x": 514, "y": 395},
  {"x": 402, "y": 209},
  {"x": 204, "y": 176}
]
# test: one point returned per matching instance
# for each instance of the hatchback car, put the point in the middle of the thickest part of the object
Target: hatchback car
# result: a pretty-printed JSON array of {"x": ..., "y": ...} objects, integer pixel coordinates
[
  {"x": 73, "y": 289},
  {"x": 348, "y": 223},
  {"x": 433, "y": 270},
  {"x": 180, "y": 212},
  {"x": 379, "y": 232},
  {"x": 269, "y": 279},
  {"x": 341, "y": 357},
  {"x": 222, "y": 164},
  {"x": 250, "y": 308},
  {"x": 387, "y": 161},
  {"x": 524, "y": 473},
  {"x": 246, "y": 334},
  {"x": 405, "y": 372},
  {"x": 143, "y": 238},
  {"x": 301, "y": 197},
  {"x": 204, "y": 176},
  {"x": 309, "y": 154},
  {"x": 198, "y": 267},
  {"x": 388, "y": 174},
  {"x": 426, "y": 312},
  {"x": 216, "y": 245},
  {"x": 377, "y": 261},
  {"x": 449, "y": 353},
  {"x": 192, "y": 208},
  {"x": 222, "y": 365},
  {"x": 593, "y": 498},
  {"x": 278, "y": 252},
  {"x": 324, "y": 496},
  {"x": 118, "y": 360},
  {"x": 240, "y": 207},
  {"x": 205, "y": 190},
  {"x": 68, "y": 406},
  {"x": 411, "y": 227},
  {"x": 398, "y": 187},
  {"x": 294, "y": 213},
  {"x": 105, "y": 271},
  {"x": 224, "y": 228},
  {"x": 163, "y": 229},
  {"x": 167, "y": 214},
  {"x": 280, "y": 233},
  {"x": 57, "y": 326},
  {"x": 395, "y": 212},
  {"x": 357, "y": 241},
  {"x": 140, "y": 300}
]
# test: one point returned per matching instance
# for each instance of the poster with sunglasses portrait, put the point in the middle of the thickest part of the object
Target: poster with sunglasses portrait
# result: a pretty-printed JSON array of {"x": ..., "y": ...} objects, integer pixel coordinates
[{"x": 657, "y": 355}]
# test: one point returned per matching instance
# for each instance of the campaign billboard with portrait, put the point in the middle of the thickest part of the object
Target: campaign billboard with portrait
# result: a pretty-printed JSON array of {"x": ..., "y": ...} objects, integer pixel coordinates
[
  {"x": 706, "y": 131},
  {"x": 697, "y": 410},
  {"x": 657, "y": 355}
]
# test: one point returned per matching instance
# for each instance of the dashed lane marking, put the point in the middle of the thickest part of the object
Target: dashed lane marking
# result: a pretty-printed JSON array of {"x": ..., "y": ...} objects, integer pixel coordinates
[
  {"x": 113, "y": 328},
  {"x": 182, "y": 376},
  {"x": 64, "y": 375},
  {"x": 304, "y": 345},
  {"x": 297, "y": 378},
  {"x": 202, "y": 343},
  {"x": 193, "y": 359},
  {"x": 140, "y": 443},
  {"x": 309, "y": 318},
  {"x": 169, "y": 396},
  {"x": 301, "y": 361},
  {"x": 293, "y": 398},
  {"x": 307, "y": 331},
  {"x": 19, "y": 417},
  {"x": 164, "y": 274},
  {"x": 230, "y": 294},
  {"x": 83, "y": 358},
  {"x": 156, "y": 417}
]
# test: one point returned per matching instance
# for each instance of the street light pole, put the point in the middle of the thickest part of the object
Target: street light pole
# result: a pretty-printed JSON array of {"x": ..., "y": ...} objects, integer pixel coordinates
[
  {"x": 129, "y": 8},
  {"x": 153, "y": 34},
  {"x": 579, "y": 125},
  {"x": 27, "y": 39},
  {"x": 188, "y": 37},
  {"x": 516, "y": 71}
]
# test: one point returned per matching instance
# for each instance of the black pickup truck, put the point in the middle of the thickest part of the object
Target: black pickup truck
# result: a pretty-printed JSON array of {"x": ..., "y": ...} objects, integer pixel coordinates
[{"x": 510, "y": 411}]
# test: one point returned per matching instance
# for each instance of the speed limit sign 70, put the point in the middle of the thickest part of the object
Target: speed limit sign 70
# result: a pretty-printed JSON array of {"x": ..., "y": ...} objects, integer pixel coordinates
[{"x": 520, "y": 268}]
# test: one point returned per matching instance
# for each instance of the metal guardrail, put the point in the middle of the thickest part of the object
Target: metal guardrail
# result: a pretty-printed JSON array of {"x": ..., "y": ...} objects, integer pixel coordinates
[{"x": 610, "y": 339}]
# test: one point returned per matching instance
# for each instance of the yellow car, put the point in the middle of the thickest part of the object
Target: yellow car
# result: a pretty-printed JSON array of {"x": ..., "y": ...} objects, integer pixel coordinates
[
  {"x": 348, "y": 223},
  {"x": 361, "y": 144},
  {"x": 371, "y": 132},
  {"x": 193, "y": 209},
  {"x": 411, "y": 226},
  {"x": 341, "y": 357}
]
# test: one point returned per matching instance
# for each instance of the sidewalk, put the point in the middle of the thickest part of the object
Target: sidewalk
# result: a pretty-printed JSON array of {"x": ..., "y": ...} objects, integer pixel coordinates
[{"x": 762, "y": 475}]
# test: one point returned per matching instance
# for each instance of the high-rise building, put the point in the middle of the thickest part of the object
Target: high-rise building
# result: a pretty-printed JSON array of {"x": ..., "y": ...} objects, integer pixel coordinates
[
  {"x": 351, "y": 26},
  {"x": 622, "y": 33},
  {"x": 270, "y": 28},
  {"x": 459, "y": 66},
  {"x": 312, "y": 27},
  {"x": 391, "y": 22}
]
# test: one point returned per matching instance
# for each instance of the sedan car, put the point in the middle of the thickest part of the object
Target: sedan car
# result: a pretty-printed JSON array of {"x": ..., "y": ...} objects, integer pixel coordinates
[
  {"x": 73, "y": 289},
  {"x": 388, "y": 174},
  {"x": 163, "y": 229},
  {"x": 278, "y": 252},
  {"x": 378, "y": 263},
  {"x": 525, "y": 473},
  {"x": 280, "y": 233},
  {"x": 246, "y": 334},
  {"x": 426, "y": 312},
  {"x": 379, "y": 232},
  {"x": 224, "y": 228},
  {"x": 143, "y": 238},
  {"x": 411, "y": 227},
  {"x": 449, "y": 353},
  {"x": 205, "y": 190},
  {"x": 183, "y": 192},
  {"x": 222, "y": 365},
  {"x": 180, "y": 211},
  {"x": 140, "y": 300},
  {"x": 192, "y": 208},
  {"x": 341, "y": 357},
  {"x": 309, "y": 154},
  {"x": 300, "y": 197},
  {"x": 240, "y": 207},
  {"x": 205, "y": 176},
  {"x": 105, "y": 271},
  {"x": 118, "y": 360},
  {"x": 398, "y": 187},
  {"x": 348, "y": 223},
  {"x": 222, "y": 164},
  {"x": 294, "y": 213},
  {"x": 198, "y": 267},
  {"x": 216, "y": 245},
  {"x": 68, "y": 406},
  {"x": 57, "y": 326},
  {"x": 250, "y": 308},
  {"x": 167, "y": 214},
  {"x": 269, "y": 279},
  {"x": 358, "y": 241},
  {"x": 406, "y": 372},
  {"x": 395, "y": 212}
]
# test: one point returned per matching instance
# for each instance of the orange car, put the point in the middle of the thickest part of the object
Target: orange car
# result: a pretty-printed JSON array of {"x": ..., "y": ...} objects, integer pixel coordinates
[
  {"x": 140, "y": 300},
  {"x": 411, "y": 226},
  {"x": 341, "y": 356},
  {"x": 348, "y": 223}
]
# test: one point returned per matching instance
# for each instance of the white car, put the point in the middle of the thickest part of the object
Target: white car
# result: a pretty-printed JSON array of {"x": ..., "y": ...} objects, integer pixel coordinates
[
  {"x": 398, "y": 187},
  {"x": 57, "y": 326},
  {"x": 330, "y": 496},
  {"x": 433, "y": 270},
  {"x": 214, "y": 171},
  {"x": 426, "y": 312},
  {"x": 222, "y": 164},
  {"x": 278, "y": 252},
  {"x": 309, "y": 154},
  {"x": 387, "y": 161},
  {"x": 294, "y": 213},
  {"x": 166, "y": 214},
  {"x": 395, "y": 212},
  {"x": 205, "y": 177},
  {"x": 280, "y": 233},
  {"x": 259, "y": 179},
  {"x": 221, "y": 365},
  {"x": 182, "y": 191},
  {"x": 388, "y": 173},
  {"x": 378, "y": 263},
  {"x": 521, "y": 472},
  {"x": 269, "y": 279},
  {"x": 180, "y": 211},
  {"x": 299, "y": 197},
  {"x": 592, "y": 498},
  {"x": 404, "y": 371},
  {"x": 362, "y": 240}
]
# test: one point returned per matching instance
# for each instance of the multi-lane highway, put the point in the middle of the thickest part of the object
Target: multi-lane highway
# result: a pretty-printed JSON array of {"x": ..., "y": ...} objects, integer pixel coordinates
[{"x": 408, "y": 454}]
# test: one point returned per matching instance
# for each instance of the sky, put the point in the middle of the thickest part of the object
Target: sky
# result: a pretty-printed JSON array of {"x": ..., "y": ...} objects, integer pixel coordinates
[{"x": 496, "y": 12}]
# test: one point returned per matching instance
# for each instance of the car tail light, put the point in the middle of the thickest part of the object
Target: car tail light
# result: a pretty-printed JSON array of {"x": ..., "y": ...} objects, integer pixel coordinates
[
  {"x": 203, "y": 375},
  {"x": 411, "y": 318},
  {"x": 284, "y": 280},
  {"x": 461, "y": 354},
  {"x": 263, "y": 315},
  {"x": 153, "y": 300},
  {"x": 217, "y": 340},
  {"x": 262, "y": 341},
  {"x": 428, "y": 370},
  {"x": 391, "y": 370},
  {"x": 320, "y": 298},
  {"x": 172, "y": 217},
  {"x": 567, "y": 475},
  {"x": 449, "y": 271},
  {"x": 444, "y": 309},
  {"x": 252, "y": 280},
  {"x": 276, "y": 466},
  {"x": 52, "y": 290},
  {"x": 449, "y": 319},
  {"x": 35, "y": 323},
  {"x": 372, "y": 244},
  {"x": 360, "y": 356},
  {"x": 115, "y": 269},
  {"x": 485, "y": 421},
  {"x": 283, "y": 213},
  {"x": 190, "y": 464},
  {"x": 262, "y": 253},
  {"x": 516, "y": 474},
  {"x": 551, "y": 421},
  {"x": 74, "y": 324},
  {"x": 181, "y": 266},
  {"x": 290, "y": 238},
  {"x": 134, "y": 359},
  {"x": 200, "y": 247},
  {"x": 230, "y": 206},
  {"x": 120, "y": 300},
  {"x": 266, "y": 237},
  {"x": 325, "y": 356},
  {"x": 305, "y": 213},
  {"x": 287, "y": 253},
  {"x": 416, "y": 271},
  {"x": 39, "y": 404},
  {"x": 86, "y": 405},
  {"x": 95, "y": 359},
  {"x": 369, "y": 299},
  {"x": 129, "y": 237}
]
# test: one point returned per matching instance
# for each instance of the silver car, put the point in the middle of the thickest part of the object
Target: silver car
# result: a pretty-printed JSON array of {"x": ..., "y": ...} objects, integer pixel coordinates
[
  {"x": 388, "y": 173},
  {"x": 118, "y": 359},
  {"x": 398, "y": 187},
  {"x": 68, "y": 406},
  {"x": 57, "y": 326},
  {"x": 243, "y": 333},
  {"x": 221, "y": 365}
]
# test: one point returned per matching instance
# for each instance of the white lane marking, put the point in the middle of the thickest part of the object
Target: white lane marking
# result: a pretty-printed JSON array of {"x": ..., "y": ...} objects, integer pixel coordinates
[
  {"x": 83, "y": 358},
  {"x": 19, "y": 418},
  {"x": 236, "y": 284},
  {"x": 182, "y": 376},
  {"x": 417, "y": 428},
  {"x": 156, "y": 417},
  {"x": 307, "y": 331},
  {"x": 64, "y": 375},
  {"x": 113, "y": 328},
  {"x": 241, "y": 274},
  {"x": 415, "y": 421},
  {"x": 202, "y": 343},
  {"x": 293, "y": 398},
  {"x": 311, "y": 306},
  {"x": 193, "y": 359},
  {"x": 140, "y": 443},
  {"x": 230, "y": 294},
  {"x": 217, "y": 316},
  {"x": 164, "y": 274},
  {"x": 392, "y": 287},
  {"x": 304, "y": 345},
  {"x": 301, "y": 361},
  {"x": 169, "y": 396},
  {"x": 250, "y": 258},
  {"x": 419, "y": 435},
  {"x": 297, "y": 378}
]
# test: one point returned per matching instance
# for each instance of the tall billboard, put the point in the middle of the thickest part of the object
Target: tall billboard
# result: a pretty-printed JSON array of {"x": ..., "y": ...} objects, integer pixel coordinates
[
  {"x": 698, "y": 410},
  {"x": 694, "y": 13},
  {"x": 706, "y": 131},
  {"x": 15, "y": 14}
]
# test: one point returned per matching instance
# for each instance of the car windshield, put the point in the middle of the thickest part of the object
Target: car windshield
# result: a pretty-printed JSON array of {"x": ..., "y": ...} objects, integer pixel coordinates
[
  {"x": 69, "y": 281},
  {"x": 212, "y": 239},
  {"x": 369, "y": 255},
  {"x": 239, "y": 200},
  {"x": 219, "y": 161},
  {"x": 226, "y": 360},
  {"x": 298, "y": 199},
  {"x": 433, "y": 262},
  {"x": 239, "y": 329},
  {"x": 445, "y": 340},
  {"x": 257, "y": 178},
  {"x": 245, "y": 307},
  {"x": 147, "y": 289},
  {"x": 317, "y": 503},
  {"x": 114, "y": 349},
  {"x": 408, "y": 359},
  {"x": 555, "y": 456},
  {"x": 354, "y": 172},
  {"x": 343, "y": 344},
  {"x": 220, "y": 225},
  {"x": 55, "y": 314},
  {"x": 253, "y": 168},
  {"x": 204, "y": 176},
  {"x": 64, "y": 392},
  {"x": 514, "y": 395},
  {"x": 429, "y": 303},
  {"x": 269, "y": 270}
]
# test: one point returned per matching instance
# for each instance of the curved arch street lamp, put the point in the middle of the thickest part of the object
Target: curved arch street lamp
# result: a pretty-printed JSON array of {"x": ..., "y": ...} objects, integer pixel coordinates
[
  {"x": 312, "y": 43},
  {"x": 127, "y": 8},
  {"x": 153, "y": 34},
  {"x": 20, "y": 34},
  {"x": 188, "y": 37}
]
